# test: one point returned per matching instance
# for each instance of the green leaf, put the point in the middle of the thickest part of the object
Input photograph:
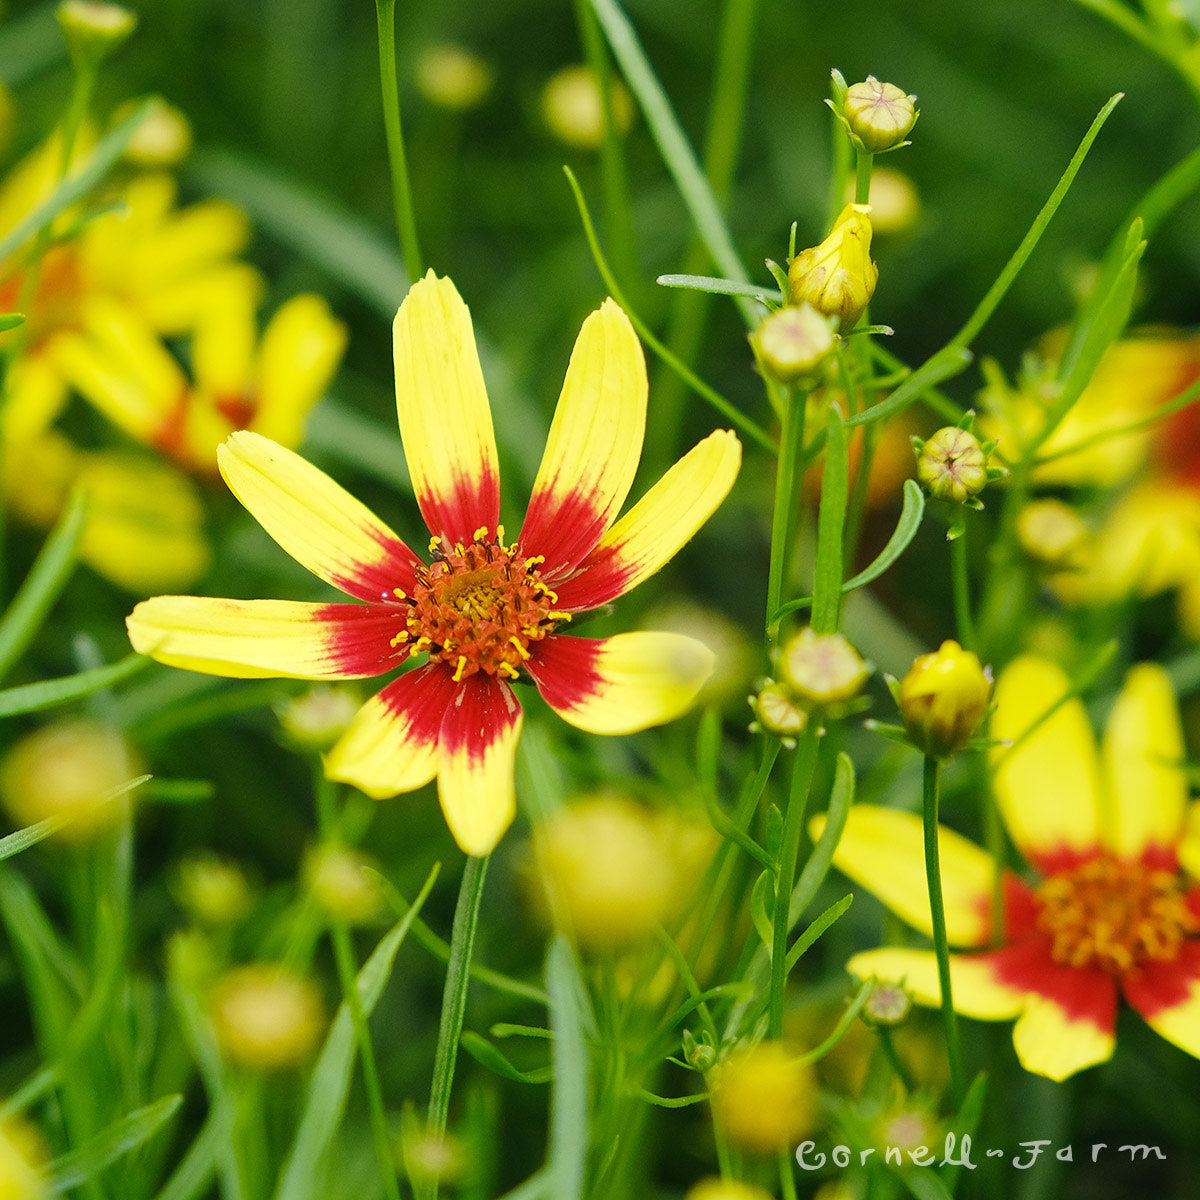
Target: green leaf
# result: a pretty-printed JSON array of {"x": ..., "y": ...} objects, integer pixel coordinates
[
  {"x": 22, "y": 839},
  {"x": 569, "y": 1126},
  {"x": 831, "y": 525},
  {"x": 924, "y": 1183},
  {"x": 906, "y": 529},
  {"x": 329, "y": 1084},
  {"x": 71, "y": 190},
  {"x": 819, "y": 861},
  {"x": 191, "y": 1178},
  {"x": 722, "y": 287},
  {"x": 762, "y": 901},
  {"x": 672, "y": 1101},
  {"x": 484, "y": 1053},
  {"x": 110, "y": 1144},
  {"x": 11, "y": 321},
  {"x": 844, "y": 1022},
  {"x": 818, "y": 927},
  {"x": 34, "y": 696}
]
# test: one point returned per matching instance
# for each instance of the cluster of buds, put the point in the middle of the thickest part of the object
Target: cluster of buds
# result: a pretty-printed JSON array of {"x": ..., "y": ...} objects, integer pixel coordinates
[
  {"x": 954, "y": 465},
  {"x": 818, "y": 672}
]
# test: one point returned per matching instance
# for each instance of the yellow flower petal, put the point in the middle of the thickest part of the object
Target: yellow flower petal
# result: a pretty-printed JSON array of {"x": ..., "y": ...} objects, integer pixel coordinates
[
  {"x": 595, "y": 441},
  {"x": 223, "y": 347},
  {"x": 1048, "y": 786},
  {"x": 1167, "y": 994},
  {"x": 259, "y": 639},
  {"x": 976, "y": 990},
  {"x": 1143, "y": 750},
  {"x": 884, "y": 850},
  {"x": 1048, "y": 1042},
  {"x": 445, "y": 422},
  {"x": 620, "y": 684},
  {"x": 477, "y": 750},
  {"x": 315, "y": 520},
  {"x": 654, "y": 530}
]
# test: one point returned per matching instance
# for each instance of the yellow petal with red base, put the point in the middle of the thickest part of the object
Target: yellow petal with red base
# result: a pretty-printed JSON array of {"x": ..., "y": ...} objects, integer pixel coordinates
[
  {"x": 315, "y": 520},
  {"x": 1167, "y": 994},
  {"x": 976, "y": 990},
  {"x": 477, "y": 750},
  {"x": 654, "y": 530},
  {"x": 261, "y": 639},
  {"x": 1143, "y": 752},
  {"x": 620, "y": 684},
  {"x": 884, "y": 850},
  {"x": 594, "y": 445},
  {"x": 1050, "y": 1042},
  {"x": 1048, "y": 784},
  {"x": 445, "y": 421},
  {"x": 391, "y": 746}
]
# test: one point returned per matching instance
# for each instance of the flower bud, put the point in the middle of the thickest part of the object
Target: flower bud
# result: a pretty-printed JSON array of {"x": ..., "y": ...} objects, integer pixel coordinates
[
  {"x": 792, "y": 343},
  {"x": 266, "y": 1017},
  {"x": 822, "y": 668},
  {"x": 93, "y": 29},
  {"x": 878, "y": 114},
  {"x": 764, "y": 1097},
  {"x": 943, "y": 698},
  {"x": 952, "y": 465},
  {"x": 888, "y": 1005},
  {"x": 837, "y": 277},
  {"x": 453, "y": 77},
  {"x": 317, "y": 717},
  {"x": 163, "y": 139},
  {"x": 342, "y": 882},
  {"x": 573, "y": 108},
  {"x": 1051, "y": 533},
  {"x": 777, "y": 712},
  {"x": 212, "y": 890}
]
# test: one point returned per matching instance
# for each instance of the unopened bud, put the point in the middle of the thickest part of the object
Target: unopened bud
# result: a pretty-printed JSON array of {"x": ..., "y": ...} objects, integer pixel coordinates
[
  {"x": 266, "y": 1016},
  {"x": 943, "y": 698},
  {"x": 952, "y": 465},
  {"x": 793, "y": 342},
  {"x": 879, "y": 114},
  {"x": 93, "y": 29},
  {"x": 837, "y": 277},
  {"x": 888, "y": 1004},
  {"x": 343, "y": 882},
  {"x": 453, "y": 77},
  {"x": 822, "y": 668},
  {"x": 777, "y": 712}
]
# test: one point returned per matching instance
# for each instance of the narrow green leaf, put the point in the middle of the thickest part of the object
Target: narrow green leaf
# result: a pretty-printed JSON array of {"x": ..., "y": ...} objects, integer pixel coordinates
[
  {"x": 329, "y": 1084},
  {"x": 762, "y": 900},
  {"x": 906, "y": 529},
  {"x": 924, "y": 1183},
  {"x": 818, "y": 927},
  {"x": 11, "y": 321},
  {"x": 722, "y": 287},
  {"x": 819, "y": 861},
  {"x": 672, "y": 1101},
  {"x": 191, "y": 1178},
  {"x": 965, "y": 1125},
  {"x": 22, "y": 839},
  {"x": 72, "y": 189},
  {"x": 946, "y": 363},
  {"x": 34, "y": 696},
  {"x": 536, "y": 1187},
  {"x": 844, "y": 1022},
  {"x": 831, "y": 525},
  {"x": 484, "y": 1053},
  {"x": 110, "y": 1144},
  {"x": 567, "y": 1159}
]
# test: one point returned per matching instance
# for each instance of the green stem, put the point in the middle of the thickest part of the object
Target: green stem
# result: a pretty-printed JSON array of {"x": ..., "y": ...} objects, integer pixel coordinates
[
  {"x": 960, "y": 580},
  {"x": 786, "y": 479},
  {"x": 454, "y": 998},
  {"x": 789, "y": 852},
  {"x": 862, "y": 178},
  {"x": 937, "y": 908},
  {"x": 787, "y": 1177},
  {"x": 893, "y": 1056},
  {"x": 406, "y": 225}
]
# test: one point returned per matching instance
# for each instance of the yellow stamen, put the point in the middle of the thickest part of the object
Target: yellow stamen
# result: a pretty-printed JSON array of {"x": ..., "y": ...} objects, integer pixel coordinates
[
  {"x": 520, "y": 649},
  {"x": 458, "y": 671}
]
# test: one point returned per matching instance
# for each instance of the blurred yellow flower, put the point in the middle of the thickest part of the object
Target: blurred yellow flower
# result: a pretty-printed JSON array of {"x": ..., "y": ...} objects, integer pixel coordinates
[
  {"x": 213, "y": 890},
  {"x": 22, "y": 1157},
  {"x": 453, "y": 77},
  {"x": 573, "y": 109},
  {"x": 266, "y": 1017},
  {"x": 344, "y": 883},
  {"x": 764, "y": 1097},
  {"x": 726, "y": 1189}
]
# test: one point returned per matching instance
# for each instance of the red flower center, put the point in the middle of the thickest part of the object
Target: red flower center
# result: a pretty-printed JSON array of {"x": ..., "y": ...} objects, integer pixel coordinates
[
  {"x": 1114, "y": 915},
  {"x": 479, "y": 607}
]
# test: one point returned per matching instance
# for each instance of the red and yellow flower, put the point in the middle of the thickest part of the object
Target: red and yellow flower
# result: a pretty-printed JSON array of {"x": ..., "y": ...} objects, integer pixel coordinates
[
  {"x": 1114, "y": 909},
  {"x": 483, "y": 612}
]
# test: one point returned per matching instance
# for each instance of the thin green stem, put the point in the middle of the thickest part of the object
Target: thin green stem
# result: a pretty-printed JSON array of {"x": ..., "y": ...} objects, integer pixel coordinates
[
  {"x": 454, "y": 998},
  {"x": 961, "y": 588},
  {"x": 933, "y": 873},
  {"x": 893, "y": 1056},
  {"x": 787, "y": 1177},
  {"x": 786, "y": 480},
  {"x": 406, "y": 225},
  {"x": 862, "y": 177},
  {"x": 789, "y": 851}
]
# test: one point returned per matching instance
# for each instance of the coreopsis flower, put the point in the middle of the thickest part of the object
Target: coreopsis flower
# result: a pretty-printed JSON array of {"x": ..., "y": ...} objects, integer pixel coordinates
[
  {"x": 764, "y": 1096},
  {"x": 1109, "y": 911},
  {"x": 483, "y": 612},
  {"x": 943, "y": 698},
  {"x": 837, "y": 277}
]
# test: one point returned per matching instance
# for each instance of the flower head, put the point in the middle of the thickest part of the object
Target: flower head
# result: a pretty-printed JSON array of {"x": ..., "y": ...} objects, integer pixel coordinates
[
  {"x": 1112, "y": 914},
  {"x": 878, "y": 114},
  {"x": 943, "y": 698},
  {"x": 482, "y": 611},
  {"x": 837, "y": 277}
]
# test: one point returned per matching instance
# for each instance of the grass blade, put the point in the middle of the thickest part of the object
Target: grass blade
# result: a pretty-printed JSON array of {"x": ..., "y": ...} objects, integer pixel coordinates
[
  {"x": 34, "y": 696},
  {"x": 569, "y": 1088},
  {"x": 110, "y": 1144}
]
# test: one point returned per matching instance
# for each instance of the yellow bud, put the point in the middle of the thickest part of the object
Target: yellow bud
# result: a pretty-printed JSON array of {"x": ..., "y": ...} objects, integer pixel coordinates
[
  {"x": 213, "y": 890},
  {"x": 879, "y": 114},
  {"x": 764, "y": 1097},
  {"x": 793, "y": 342},
  {"x": 343, "y": 884},
  {"x": 952, "y": 465},
  {"x": 72, "y": 769},
  {"x": 1051, "y": 533},
  {"x": 943, "y": 698},
  {"x": 726, "y": 1189},
  {"x": 453, "y": 77},
  {"x": 162, "y": 139},
  {"x": 574, "y": 111},
  {"x": 265, "y": 1016},
  {"x": 93, "y": 29},
  {"x": 822, "y": 668},
  {"x": 837, "y": 277},
  {"x": 429, "y": 1156}
]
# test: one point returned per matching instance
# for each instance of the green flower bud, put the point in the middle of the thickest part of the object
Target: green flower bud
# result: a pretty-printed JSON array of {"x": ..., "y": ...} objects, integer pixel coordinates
[
  {"x": 837, "y": 277},
  {"x": 943, "y": 698},
  {"x": 791, "y": 343},
  {"x": 93, "y": 29},
  {"x": 887, "y": 1005},
  {"x": 777, "y": 712},
  {"x": 822, "y": 668},
  {"x": 952, "y": 465},
  {"x": 878, "y": 114}
]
